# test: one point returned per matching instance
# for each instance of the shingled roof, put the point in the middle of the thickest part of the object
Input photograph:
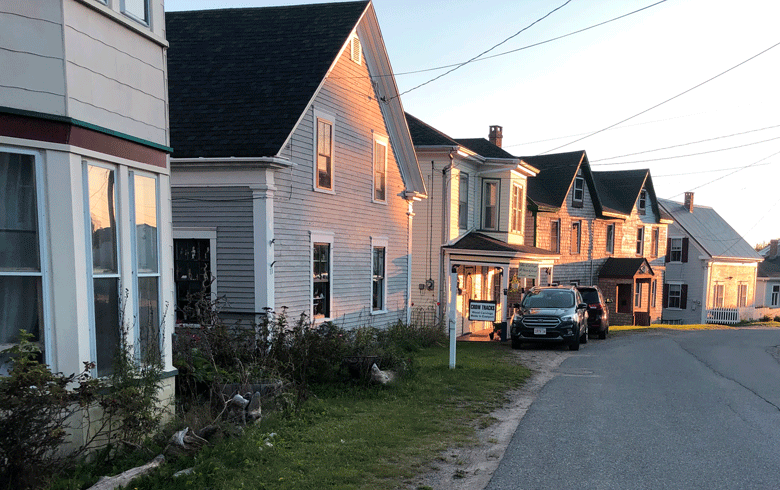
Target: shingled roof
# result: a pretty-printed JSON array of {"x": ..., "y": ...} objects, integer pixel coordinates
[
  {"x": 624, "y": 267},
  {"x": 619, "y": 189},
  {"x": 425, "y": 135},
  {"x": 710, "y": 231},
  {"x": 769, "y": 267},
  {"x": 556, "y": 174},
  {"x": 479, "y": 241},
  {"x": 483, "y": 147},
  {"x": 239, "y": 79}
]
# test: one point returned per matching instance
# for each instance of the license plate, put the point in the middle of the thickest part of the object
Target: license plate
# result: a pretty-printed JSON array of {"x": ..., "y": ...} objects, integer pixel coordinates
[{"x": 540, "y": 331}]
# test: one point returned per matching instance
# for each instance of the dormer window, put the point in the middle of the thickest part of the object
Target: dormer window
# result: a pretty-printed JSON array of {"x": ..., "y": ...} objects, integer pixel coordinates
[
  {"x": 578, "y": 193},
  {"x": 355, "y": 52},
  {"x": 641, "y": 205}
]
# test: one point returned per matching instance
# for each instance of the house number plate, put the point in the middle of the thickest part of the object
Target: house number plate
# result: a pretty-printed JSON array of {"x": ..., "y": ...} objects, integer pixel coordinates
[{"x": 540, "y": 331}]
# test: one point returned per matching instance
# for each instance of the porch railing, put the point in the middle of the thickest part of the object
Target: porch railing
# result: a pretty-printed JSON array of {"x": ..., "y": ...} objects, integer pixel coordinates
[{"x": 723, "y": 316}]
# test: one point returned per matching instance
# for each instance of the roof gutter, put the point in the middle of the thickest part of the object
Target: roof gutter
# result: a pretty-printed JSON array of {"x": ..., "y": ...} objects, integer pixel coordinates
[{"x": 232, "y": 162}]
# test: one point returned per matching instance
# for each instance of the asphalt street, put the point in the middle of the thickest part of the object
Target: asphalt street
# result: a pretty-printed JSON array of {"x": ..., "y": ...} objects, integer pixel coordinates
[{"x": 660, "y": 410}]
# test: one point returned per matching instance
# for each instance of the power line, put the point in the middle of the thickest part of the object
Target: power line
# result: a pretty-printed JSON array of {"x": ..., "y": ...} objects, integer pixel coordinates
[
  {"x": 708, "y": 171},
  {"x": 667, "y": 100},
  {"x": 487, "y": 50},
  {"x": 684, "y": 156},
  {"x": 687, "y": 144}
]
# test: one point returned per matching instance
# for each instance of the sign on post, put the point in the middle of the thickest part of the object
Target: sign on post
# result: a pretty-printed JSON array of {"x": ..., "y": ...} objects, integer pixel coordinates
[
  {"x": 527, "y": 270},
  {"x": 482, "y": 311}
]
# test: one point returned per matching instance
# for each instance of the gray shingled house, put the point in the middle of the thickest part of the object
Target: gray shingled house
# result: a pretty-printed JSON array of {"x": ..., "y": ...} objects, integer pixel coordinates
[{"x": 293, "y": 172}]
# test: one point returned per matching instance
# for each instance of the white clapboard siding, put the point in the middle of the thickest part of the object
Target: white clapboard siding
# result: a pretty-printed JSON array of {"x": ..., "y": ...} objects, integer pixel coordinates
[{"x": 348, "y": 213}]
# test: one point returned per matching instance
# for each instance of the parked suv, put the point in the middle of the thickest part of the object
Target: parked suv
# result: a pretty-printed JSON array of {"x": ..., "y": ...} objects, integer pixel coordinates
[
  {"x": 551, "y": 314},
  {"x": 598, "y": 313}
]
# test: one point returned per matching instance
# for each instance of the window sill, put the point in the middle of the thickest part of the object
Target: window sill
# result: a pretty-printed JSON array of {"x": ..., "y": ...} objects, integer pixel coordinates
[
  {"x": 378, "y": 312},
  {"x": 324, "y": 191}
]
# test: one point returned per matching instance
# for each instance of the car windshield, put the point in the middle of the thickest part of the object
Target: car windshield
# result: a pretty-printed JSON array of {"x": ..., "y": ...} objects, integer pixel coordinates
[
  {"x": 549, "y": 298},
  {"x": 590, "y": 296}
]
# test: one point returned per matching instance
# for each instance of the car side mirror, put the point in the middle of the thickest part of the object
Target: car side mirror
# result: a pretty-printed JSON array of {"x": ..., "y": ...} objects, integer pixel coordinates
[{"x": 582, "y": 306}]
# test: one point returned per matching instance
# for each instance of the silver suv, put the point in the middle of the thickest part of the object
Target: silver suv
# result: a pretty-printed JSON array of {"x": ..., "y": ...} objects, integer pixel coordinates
[{"x": 551, "y": 314}]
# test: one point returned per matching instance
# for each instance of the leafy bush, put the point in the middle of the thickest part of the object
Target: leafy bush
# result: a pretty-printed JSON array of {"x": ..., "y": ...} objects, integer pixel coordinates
[{"x": 777, "y": 318}]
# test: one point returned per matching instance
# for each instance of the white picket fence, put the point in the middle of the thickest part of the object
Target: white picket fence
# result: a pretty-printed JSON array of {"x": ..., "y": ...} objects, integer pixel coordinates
[{"x": 723, "y": 316}]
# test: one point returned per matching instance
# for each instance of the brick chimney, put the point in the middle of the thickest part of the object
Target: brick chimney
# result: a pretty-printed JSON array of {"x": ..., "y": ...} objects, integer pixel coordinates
[
  {"x": 772, "y": 249},
  {"x": 689, "y": 201},
  {"x": 496, "y": 135}
]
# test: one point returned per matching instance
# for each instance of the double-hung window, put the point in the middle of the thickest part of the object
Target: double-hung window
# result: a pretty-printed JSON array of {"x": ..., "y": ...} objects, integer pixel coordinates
[
  {"x": 610, "y": 247},
  {"x": 640, "y": 240},
  {"x": 147, "y": 263},
  {"x": 578, "y": 193},
  {"x": 742, "y": 292},
  {"x": 490, "y": 205},
  {"x": 555, "y": 235},
  {"x": 641, "y": 204},
  {"x": 675, "y": 255},
  {"x": 516, "y": 219},
  {"x": 378, "y": 274},
  {"x": 22, "y": 278},
  {"x": 323, "y": 153},
  {"x": 656, "y": 238},
  {"x": 322, "y": 275},
  {"x": 103, "y": 230},
  {"x": 380, "y": 169},
  {"x": 653, "y": 292},
  {"x": 675, "y": 294},
  {"x": 717, "y": 295},
  {"x": 775, "y": 298},
  {"x": 576, "y": 237},
  {"x": 463, "y": 201},
  {"x": 638, "y": 295}
]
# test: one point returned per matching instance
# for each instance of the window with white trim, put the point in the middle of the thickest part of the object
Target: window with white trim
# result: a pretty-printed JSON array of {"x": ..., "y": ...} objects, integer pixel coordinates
[
  {"x": 742, "y": 293},
  {"x": 145, "y": 217},
  {"x": 463, "y": 201},
  {"x": 653, "y": 292},
  {"x": 555, "y": 235},
  {"x": 322, "y": 275},
  {"x": 638, "y": 295},
  {"x": 516, "y": 219},
  {"x": 578, "y": 193},
  {"x": 22, "y": 278},
  {"x": 717, "y": 295},
  {"x": 640, "y": 240},
  {"x": 642, "y": 202},
  {"x": 323, "y": 151},
  {"x": 675, "y": 255},
  {"x": 675, "y": 295},
  {"x": 655, "y": 240},
  {"x": 490, "y": 204},
  {"x": 576, "y": 237},
  {"x": 378, "y": 275},
  {"x": 380, "y": 169},
  {"x": 194, "y": 263},
  {"x": 775, "y": 298},
  {"x": 137, "y": 10}
]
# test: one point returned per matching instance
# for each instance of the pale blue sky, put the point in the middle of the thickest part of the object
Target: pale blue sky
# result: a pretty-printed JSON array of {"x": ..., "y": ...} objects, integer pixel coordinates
[{"x": 550, "y": 95}]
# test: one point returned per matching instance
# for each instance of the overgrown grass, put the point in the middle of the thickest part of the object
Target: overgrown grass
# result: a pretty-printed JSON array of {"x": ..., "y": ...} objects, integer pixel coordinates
[{"x": 353, "y": 437}]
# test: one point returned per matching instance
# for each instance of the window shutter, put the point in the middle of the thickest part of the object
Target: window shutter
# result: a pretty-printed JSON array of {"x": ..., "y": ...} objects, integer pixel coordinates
[
  {"x": 666, "y": 296},
  {"x": 685, "y": 249},
  {"x": 668, "y": 250},
  {"x": 684, "y": 296}
]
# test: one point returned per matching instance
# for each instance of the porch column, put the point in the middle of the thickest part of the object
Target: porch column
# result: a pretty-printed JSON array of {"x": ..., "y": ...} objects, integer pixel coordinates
[
  {"x": 452, "y": 316},
  {"x": 263, "y": 220},
  {"x": 504, "y": 291}
]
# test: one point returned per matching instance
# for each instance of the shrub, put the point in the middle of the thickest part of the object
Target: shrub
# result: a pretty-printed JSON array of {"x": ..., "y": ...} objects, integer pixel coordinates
[
  {"x": 765, "y": 318},
  {"x": 777, "y": 318}
]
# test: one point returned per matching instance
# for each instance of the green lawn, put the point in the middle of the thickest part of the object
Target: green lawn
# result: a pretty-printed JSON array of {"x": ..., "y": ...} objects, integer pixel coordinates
[{"x": 361, "y": 438}]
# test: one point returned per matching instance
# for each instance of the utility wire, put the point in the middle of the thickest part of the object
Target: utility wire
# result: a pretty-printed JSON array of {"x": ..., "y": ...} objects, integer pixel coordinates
[
  {"x": 460, "y": 65},
  {"x": 684, "y": 156},
  {"x": 708, "y": 171},
  {"x": 686, "y": 144},
  {"x": 665, "y": 101}
]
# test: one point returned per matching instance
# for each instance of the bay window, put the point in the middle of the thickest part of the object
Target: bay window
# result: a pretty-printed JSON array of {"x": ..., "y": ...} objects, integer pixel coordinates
[{"x": 147, "y": 263}]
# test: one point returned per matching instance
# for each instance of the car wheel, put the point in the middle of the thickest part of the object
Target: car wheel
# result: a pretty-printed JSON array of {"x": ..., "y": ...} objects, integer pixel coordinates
[
  {"x": 575, "y": 345},
  {"x": 584, "y": 338},
  {"x": 516, "y": 344},
  {"x": 603, "y": 333}
]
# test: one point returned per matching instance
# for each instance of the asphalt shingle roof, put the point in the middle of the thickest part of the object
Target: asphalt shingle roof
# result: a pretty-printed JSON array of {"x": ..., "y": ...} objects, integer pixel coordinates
[
  {"x": 711, "y": 231},
  {"x": 769, "y": 267},
  {"x": 556, "y": 173},
  {"x": 425, "y": 135},
  {"x": 619, "y": 189},
  {"x": 479, "y": 241},
  {"x": 482, "y": 146},
  {"x": 622, "y": 267},
  {"x": 239, "y": 79}
]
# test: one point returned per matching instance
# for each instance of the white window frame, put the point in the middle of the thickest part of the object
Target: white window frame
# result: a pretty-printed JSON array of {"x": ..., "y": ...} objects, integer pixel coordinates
[
  {"x": 579, "y": 187},
  {"x": 134, "y": 249},
  {"x": 463, "y": 205},
  {"x": 44, "y": 333},
  {"x": 641, "y": 204},
  {"x": 555, "y": 246},
  {"x": 718, "y": 295},
  {"x": 774, "y": 298},
  {"x": 640, "y": 240},
  {"x": 653, "y": 293},
  {"x": 673, "y": 249},
  {"x": 383, "y": 141},
  {"x": 119, "y": 199},
  {"x": 678, "y": 296},
  {"x": 320, "y": 115},
  {"x": 485, "y": 184},
  {"x": 145, "y": 21},
  {"x": 202, "y": 233},
  {"x": 576, "y": 238},
  {"x": 516, "y": 211},
  {"x": 742, "y": 294},
  {"x": 379, "y": 242},
  {"x": 610, "y": 239},
  {"x": 637, "y": 295},
  {"x": 320, "y": 237}
]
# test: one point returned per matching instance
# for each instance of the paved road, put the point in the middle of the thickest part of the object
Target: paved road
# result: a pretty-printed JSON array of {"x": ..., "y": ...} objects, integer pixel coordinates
[{"x": 675, "y": 409}]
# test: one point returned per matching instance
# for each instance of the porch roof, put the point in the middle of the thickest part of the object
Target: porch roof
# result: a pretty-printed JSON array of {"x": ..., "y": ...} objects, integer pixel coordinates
[
  {"x": 626, "y": 267},
  {"x": 479, "y": 242}
]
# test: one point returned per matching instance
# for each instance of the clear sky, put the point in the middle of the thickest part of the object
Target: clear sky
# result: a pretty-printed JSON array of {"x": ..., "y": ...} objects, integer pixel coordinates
[{"x": 550, "y": 95}]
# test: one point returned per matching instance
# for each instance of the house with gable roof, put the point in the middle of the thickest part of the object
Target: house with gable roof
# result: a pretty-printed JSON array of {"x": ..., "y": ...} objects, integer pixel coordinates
[
  {"x": 469, "y": 235},
  {"x": 768, "y": 282},
  {"x": 293, "y": 172},
  {"x": 607, "y": 228},
  {"x": 710, "y": 269}
]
